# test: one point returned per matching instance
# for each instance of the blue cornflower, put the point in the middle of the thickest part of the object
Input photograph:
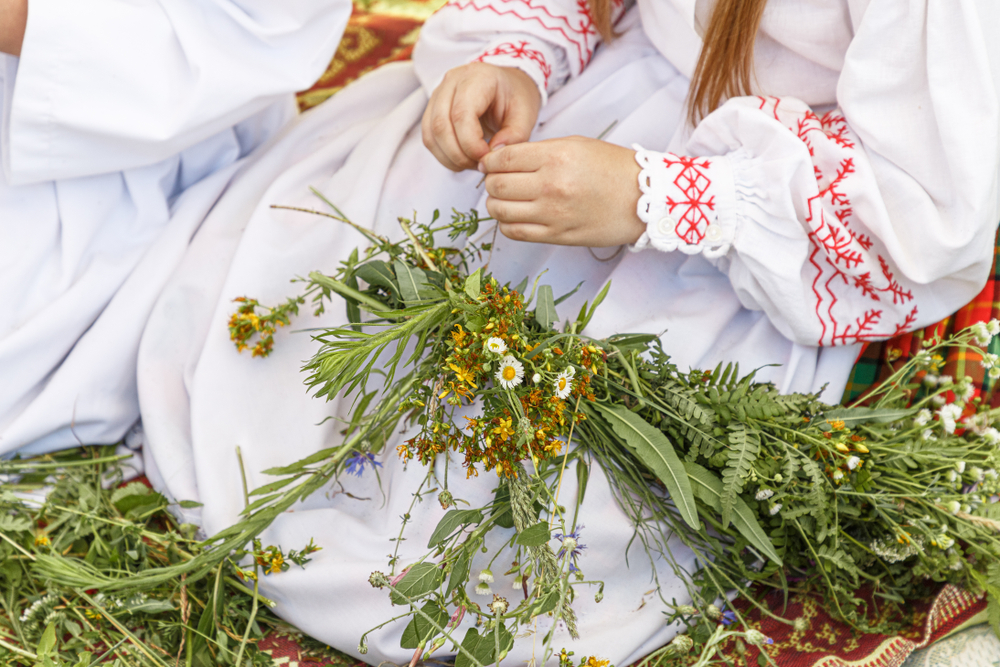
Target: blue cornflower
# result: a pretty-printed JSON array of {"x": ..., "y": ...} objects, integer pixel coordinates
[
  {"x": 572, "y": 543},
  {"x": 728, "y": 617},
  {"x": 356, "y": 463}
]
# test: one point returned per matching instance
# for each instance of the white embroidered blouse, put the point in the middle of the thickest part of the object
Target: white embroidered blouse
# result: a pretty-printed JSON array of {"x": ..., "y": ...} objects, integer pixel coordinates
[{"x": 854, "y": 198}]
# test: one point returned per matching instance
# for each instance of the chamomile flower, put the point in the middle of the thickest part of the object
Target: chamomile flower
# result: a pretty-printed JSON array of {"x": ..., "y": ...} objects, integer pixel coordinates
[
  {"x": 981, "y": 332},
  {"x": 948, "y": 414},
  {"x": 853, "y": 462},
  {"x": 989, "y": 360},
  {"x": 496, "y": 345},
  {"x": 993, "y": 326},
  {"x": 992, "y": 436},
  {"x": 511, "y": 372},
  {"x": 922, "y": 417},
  {"x": 775, "y": 508},
  {"x": 564, "y": 383},
  {"x": 764, "y": 494},
  {"x": 483, "y": 588}
]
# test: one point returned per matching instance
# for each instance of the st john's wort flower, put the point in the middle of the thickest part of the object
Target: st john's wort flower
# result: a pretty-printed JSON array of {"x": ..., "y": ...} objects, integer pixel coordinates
[
  {"x": 511, "y": 372},
  {"x": 496, "y": 345},
  {"x": 564, "y": 383},
  {"x": 356, "y": 463}
]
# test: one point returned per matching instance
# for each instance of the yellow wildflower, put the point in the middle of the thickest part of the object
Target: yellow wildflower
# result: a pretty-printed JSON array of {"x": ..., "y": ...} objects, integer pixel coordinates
[{"x": 504, "y": 431}]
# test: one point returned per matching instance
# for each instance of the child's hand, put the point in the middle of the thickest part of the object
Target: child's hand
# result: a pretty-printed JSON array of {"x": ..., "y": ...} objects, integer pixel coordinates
[
  {"x": 474, "y": 98},
  {"x": 572, "y": 191}
]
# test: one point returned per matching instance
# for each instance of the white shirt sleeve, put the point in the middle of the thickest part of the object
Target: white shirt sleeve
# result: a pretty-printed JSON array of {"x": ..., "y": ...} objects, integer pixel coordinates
[
  {"x": 550, "y": 40},
  {"x": 107, "y": 85},
  {"x": 876, "y": 218}
]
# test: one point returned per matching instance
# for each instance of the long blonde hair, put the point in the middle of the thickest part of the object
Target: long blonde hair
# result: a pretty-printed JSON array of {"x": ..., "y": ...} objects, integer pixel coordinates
[{"x": 725, "y": 66}]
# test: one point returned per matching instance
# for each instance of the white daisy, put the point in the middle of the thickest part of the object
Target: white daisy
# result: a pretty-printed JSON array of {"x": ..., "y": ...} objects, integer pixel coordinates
[
  {"x": 992, "y": 436},
  {"x": 564, "y": 383},
  {"x": 853, "y": 462},
  {"x": 922, "y": 417},
  {"x": 496, "y": 345},
  {"x": 511, "y": 372},
  {"x": 993, "y": 326}
]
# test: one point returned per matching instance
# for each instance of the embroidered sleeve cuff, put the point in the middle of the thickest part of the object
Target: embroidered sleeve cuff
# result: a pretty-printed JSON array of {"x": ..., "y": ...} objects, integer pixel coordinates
[
  {"x": 532, "y": 56},
  {"x": 686, "y": 203}
]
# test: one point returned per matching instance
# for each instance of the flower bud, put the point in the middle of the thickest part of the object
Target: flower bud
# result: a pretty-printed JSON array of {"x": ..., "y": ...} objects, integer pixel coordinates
[
  {"x": 483, "y": 589},
  {"x": 456, "y": 618},
  {"x": 446, "y": 499},
  {"x": 757, "y": 638},
  {"x": 363, "y": 646},
  {"x": 687, "y": 610},
  {"x": 681, "y": 644},
  {"x": 378, "y": 580},
  {"x": 801, "y": 624},
  {"x": 713, "y": 612}
]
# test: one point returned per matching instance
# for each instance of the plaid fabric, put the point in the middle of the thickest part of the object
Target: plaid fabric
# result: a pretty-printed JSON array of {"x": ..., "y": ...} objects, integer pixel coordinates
[{"x": 880, "y": 360}]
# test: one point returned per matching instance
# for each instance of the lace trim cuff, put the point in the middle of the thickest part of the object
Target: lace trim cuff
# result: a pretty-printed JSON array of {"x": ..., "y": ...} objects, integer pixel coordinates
[
  {"x": 528, "y": 55},
  {"x": 685, "y": 203}
]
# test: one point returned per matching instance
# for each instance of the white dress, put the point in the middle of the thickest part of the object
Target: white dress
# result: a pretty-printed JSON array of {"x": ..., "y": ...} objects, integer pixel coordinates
[
  {"x": 120, "y": 125},
  {"x": 855, "y": 198}
]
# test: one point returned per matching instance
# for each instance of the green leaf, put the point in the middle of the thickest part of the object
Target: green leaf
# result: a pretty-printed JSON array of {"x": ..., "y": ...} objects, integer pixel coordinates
[
  {"x": 48, "y": 641},
  {"x": 534, "y": 536},
  {"x": 708, "y": 488},
  {"x": 268, "y": 488},
  {"x": 14, "y": 524},
  {"x": 420, "y": 629},
  {"x": 503, "y": 517},
  {"x": 568, "y": 294},
  {"x": 450, "y": 522},
  {"x": 858, "y": 416},
  {"x": 459, "y": 571},
  {"x": 545, "y": 308},
  {"x": 378, "y": 274},
  {"x": 593, "y": 307},
  {"x": 149, "y": 607},
  {"x": 744, "y": 446},
  {"x": 420, "y": 580},
  {"x": 582, "y": 475},
  {"x": 131, "y": 489},
  {"x": 653, "y": 448},
  {"x": 483, "y": 647},
  {"x": 190, "y": 504},
  {"x": 473, "y": 284},
  {"x": 133, "y": 502},
  {"x": 413, "y": 285}
]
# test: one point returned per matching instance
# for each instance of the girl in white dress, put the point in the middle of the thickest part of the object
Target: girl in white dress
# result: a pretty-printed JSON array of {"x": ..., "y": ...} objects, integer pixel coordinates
[
  {"x": 843, "y": 189},
  {"x": 121, "y": 123}
]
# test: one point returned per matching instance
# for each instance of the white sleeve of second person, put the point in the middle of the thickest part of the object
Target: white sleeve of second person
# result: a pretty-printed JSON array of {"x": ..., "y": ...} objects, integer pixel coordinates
[
  {"x": 870, "y": 220},
  {"x": 109, "y": 85}
]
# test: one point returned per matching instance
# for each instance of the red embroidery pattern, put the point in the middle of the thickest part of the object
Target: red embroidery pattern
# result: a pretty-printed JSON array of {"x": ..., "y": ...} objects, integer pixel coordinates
[
  {"x": 521, "y": 51},
  {"x": 841, "y": 255},
  {"x": 693, "y": 181},
  {"x": 570, "y": 29}
]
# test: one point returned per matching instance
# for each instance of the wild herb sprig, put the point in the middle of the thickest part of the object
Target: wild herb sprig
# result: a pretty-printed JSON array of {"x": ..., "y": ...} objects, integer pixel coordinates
[{"x": 68, "y": 526}]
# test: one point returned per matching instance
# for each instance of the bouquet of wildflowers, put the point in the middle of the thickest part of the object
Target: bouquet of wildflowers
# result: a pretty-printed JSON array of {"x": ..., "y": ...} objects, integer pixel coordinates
[{"x": 768, "y": 490}]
